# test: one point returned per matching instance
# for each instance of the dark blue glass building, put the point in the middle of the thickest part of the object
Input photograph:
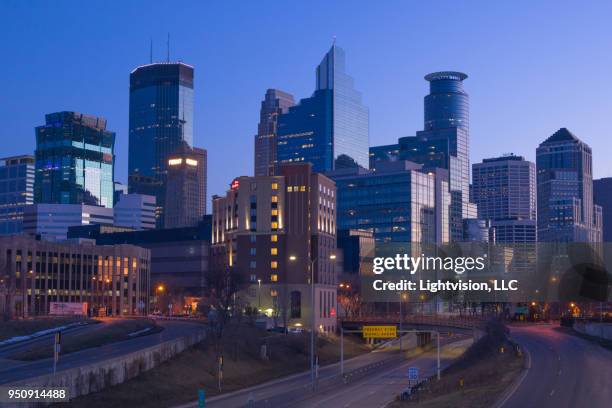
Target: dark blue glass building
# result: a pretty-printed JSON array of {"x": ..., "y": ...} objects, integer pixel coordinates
[
  {"x": 330, "y": 129},
  {"x": 161, "y": 117},
  {"x": 16, "y": 191},
  {"x": 74, "y": 160}
]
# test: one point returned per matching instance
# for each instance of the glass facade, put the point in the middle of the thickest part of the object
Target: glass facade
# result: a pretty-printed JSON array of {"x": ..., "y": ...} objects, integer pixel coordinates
[
  {"x": 16, "y": 191},
  {"x": 161, "y": 117},
  {"x": 330, "y": 129},
  {"x": 74, "y": 160},
  {"x": 397, "y": 206}
]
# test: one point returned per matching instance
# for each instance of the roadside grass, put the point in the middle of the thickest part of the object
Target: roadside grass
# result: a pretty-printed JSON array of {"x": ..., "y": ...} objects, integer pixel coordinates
[
  {"x": 178, "y": 380},
  {"x": 14, "y": 328},
  {"x": 105, "y": 334},
  {"x": 485, "y": 371}
]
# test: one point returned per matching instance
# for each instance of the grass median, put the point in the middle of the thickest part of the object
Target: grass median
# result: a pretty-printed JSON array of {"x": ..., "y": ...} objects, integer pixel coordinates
[
  {"x": 108, "y": 332},
  {"x": 26, "y": 327},
  {"x": 178, "y": 380}
]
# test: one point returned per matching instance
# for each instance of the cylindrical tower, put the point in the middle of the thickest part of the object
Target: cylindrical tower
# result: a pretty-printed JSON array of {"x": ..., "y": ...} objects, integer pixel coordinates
[{"x": 447, "y": 104}]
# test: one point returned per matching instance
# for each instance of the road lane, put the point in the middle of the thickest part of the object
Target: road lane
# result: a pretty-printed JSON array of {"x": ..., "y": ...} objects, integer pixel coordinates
[{"x": 566, "y": 371}]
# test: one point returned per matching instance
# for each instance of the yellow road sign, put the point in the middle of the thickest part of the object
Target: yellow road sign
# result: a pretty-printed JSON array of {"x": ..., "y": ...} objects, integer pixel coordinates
[{"x": 379, "y": 332}]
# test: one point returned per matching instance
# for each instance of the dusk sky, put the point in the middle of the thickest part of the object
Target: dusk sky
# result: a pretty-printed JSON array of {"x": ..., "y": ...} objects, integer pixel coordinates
[{"x": 532, "y": 68}]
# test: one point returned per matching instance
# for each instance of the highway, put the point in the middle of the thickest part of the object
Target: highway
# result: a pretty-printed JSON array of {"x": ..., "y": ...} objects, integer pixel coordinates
[
  {"x": 377, "y": 386},
  {"x": 11, "y": 371},
  {"x": 564, "y": 371}
]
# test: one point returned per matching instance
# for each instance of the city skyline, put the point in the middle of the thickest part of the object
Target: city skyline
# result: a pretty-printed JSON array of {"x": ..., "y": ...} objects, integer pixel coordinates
[{"x": 393, "y": 92}]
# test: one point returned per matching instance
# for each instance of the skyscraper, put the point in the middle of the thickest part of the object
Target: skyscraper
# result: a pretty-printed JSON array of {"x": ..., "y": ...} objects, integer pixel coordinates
[
  {"x": 161, "y": 117},
  {"x": 276, "y": 102},
  {"x": 135, "y": 211},
  {"x": 444, "y": 142},
  {"x": 565, "y": 191},
  {"x": 504, "y": 189},
  {"x": 331, "y": 128},
  {"x": 185, "y": 202},
  {"x": 602, "y": 196},
  {"x": 74, "y": 160},
  {"x": 16, "y": 191}
]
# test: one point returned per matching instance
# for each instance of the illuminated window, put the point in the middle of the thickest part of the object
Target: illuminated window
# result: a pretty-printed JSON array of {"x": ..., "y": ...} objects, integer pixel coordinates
[
  {"x": 273, "y": 251},
  {"x": 275, "y": 212},
  {"x": 275, "y": 199},
  {"x": 191, "y": 162},
  {"x": 274, "y": 186},
  {"x": 273, "y": 292},
  {"x": 274, "y": 238},
  {"x": 302, "y": 188},
  {"x": 274, "y": 277},
  {"x": 289, "y": 189},
  {"x": 274, "y": 265},
  {"x": 274, "y": 225}
]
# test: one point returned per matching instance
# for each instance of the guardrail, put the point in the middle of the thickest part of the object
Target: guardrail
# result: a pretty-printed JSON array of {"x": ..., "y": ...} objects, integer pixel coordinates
[{"x": 461, "y": 322}]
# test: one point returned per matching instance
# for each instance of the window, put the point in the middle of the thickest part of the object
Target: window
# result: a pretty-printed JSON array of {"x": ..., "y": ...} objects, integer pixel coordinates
[
  {"x": 302, "y": 188},
  {"x": 274, "y": 211},
  {"x": 253, "y": 251},
  {"x": 273, "y": 251},
  {"x": 252, "y": 265},
  {"x": 253, "y": 238},
  {"x": 274, "y": 277},
  {"x": 274, "y": 238},
  {"x": 275, "y": 199},
  {"x": 274, "y": 265},
  {"x": 289, "y": 189},
  {"x": 274, "y": 186},
  {"x": 296, "y": 305},
  {"x": 274, "y": 225},
  {"x": 253, "y": 277}
]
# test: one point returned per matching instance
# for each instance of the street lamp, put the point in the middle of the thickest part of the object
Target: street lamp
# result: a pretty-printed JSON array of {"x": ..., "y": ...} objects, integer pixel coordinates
[
  {"x": 294, "y": 258},
  {"x": 259, "y": 294}
]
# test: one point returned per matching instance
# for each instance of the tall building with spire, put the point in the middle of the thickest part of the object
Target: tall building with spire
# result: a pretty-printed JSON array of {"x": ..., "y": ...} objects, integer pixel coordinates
[
  {"x": 275, "y": 103},
  {"x": 565, "y": 191},
  {"x": 331, "y": 128},
  {"x": 161, "y": 118}
]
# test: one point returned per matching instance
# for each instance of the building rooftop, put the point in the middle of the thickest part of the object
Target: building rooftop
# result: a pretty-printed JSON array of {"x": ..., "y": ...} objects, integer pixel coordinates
[{"x": 454, "y": 75}]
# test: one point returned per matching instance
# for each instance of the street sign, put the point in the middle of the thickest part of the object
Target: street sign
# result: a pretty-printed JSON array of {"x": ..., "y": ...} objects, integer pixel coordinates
[
  {"x": 379, "y": 332},
  {"x": 413, "y": 373},
  {"x": 201, "y": 398}
]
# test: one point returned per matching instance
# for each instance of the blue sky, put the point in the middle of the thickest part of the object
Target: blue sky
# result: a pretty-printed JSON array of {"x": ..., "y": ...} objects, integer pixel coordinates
[{"x": 533, "y": 68}]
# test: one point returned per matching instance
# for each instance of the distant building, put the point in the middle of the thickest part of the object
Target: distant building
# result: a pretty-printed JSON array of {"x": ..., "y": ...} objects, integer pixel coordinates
[
  {"x": 331, "y": 128},
  {"x": 273, "y": 230},
  {"x": 110, "y": 279},
  {"x": 179, "y": 256},
  {"x": 504, "y": 189},
  {"x": 161, "y": 117},
  {"x": 119, "y": 189},
  {"x": 383, "y": 153},
  {"x": 357, "y": 247},
  {"x": 565, "y": 191},
  {"x": 185, "y": 201},
  {"x": 16, "y": 191},
  {"x": 135, "y": 211},
  {"x": 275, "y": 103},
  {"x": 476, "y": 230},
  {"x": 398, "y": 202},
  {"x": 74, "y": 160},
  {"x": 51, "y": 221},
  {"x": 602, "y": 196}
]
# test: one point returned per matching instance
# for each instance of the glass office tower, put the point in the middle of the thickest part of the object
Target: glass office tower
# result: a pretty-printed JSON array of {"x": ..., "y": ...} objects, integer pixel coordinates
[
  {"x": 74, "y": 160},
  {"x": 161, "y": 117},
  {"x": 16, "y": 191},
  {"x": 330, "y": 129},
  {"x": 445, "y": 142}
]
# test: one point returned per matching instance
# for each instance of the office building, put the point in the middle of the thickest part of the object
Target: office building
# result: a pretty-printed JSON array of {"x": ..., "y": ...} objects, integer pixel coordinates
[
  {"x": 161, "y": 117},
  {"x": 357, "y": 248},
  {"x": 74, "y": 160},
  {"x": 51, "y": 221},
  {"x": 119, "y": 189},
  {"x": 331, "y": 128},
  {"x": 185, "y": 201},
  {"x": 565, "y": 209},
  {"x": 16, "y": 191},
  {"x": 135, "y": 211},
  {"x": 179, "y": 256},
  {"x": 276, "y": 231},
  {"x": 398, "y": 202},
  {"x": 504, "y": 189},
  {"x": 602, "y": 196},
  {"x": 383, "y": 153},
  {"x": 444, "y": 142},
  {"x": 112, "y": 280},
  {"x": 275, "y": 103}
]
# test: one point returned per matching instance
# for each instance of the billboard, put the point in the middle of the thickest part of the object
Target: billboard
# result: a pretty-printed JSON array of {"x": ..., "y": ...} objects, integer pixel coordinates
[{"x": 68, "y": 309}]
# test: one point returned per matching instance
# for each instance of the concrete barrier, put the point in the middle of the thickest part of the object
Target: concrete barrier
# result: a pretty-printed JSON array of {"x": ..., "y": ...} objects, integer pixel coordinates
[
  {"x": 95, "y": 377},
  {"x": 601, "y": 330}
]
